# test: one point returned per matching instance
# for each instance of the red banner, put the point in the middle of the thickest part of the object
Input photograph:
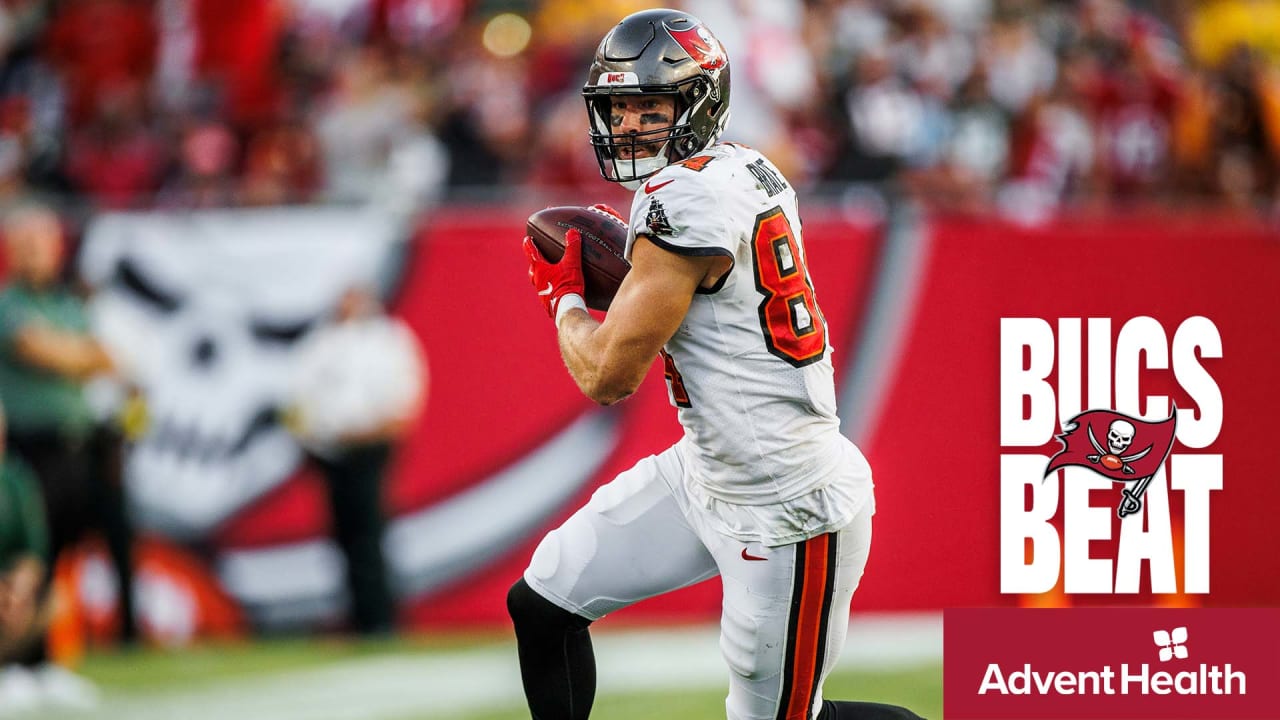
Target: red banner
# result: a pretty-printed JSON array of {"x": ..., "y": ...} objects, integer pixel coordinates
[
  {"x": 938, "y": 532},
  {"x": 963, "y": 348}
]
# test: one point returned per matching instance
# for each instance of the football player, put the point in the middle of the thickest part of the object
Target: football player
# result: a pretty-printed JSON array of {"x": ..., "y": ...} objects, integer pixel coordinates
[{"x": 762, "y": 490}]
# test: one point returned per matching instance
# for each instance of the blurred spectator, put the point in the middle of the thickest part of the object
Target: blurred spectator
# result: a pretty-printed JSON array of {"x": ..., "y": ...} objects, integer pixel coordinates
[
  {"x": 46, "y": 354},
  {"x": 16, "y": 144},
  {"x": 24, "y": 607},
  {"x": 359, "y": 386},
  {"x": 1134, "y": 136},
  {"x": 1191, "y": 141},
  {"x": 116, "y": 159},
  {"x": 205, "y": 174},
  {"x": 487, "y": 123},
  {"x": 32, "y": 95},
  {"x": 418, "y": 165},
  {"x": 47, "y": 351},
  {"x": 1244, "y": 130},
  {"x": 884, "y": 119},
  {"x": 929, "y": 52},
  {"x": 315, "y": 36},
  {"x": 975, "y": 154},
  {"x": 1103, "y": 31},
  {"x": 375, "y": 136},
  {"x": 417, "y": 24},
  {"x": 853, "y": 27},
  {"x": 1020, "y": 66},
  {"x": 98, "y": 45},
  {"x": 237, "y": 45},
  {"x": 1052, "y": 157},
  {"x": 21, "y": 23},
  {"x": 282, "y": 165}
]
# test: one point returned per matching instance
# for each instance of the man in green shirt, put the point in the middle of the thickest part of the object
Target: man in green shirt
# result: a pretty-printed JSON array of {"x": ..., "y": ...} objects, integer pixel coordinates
[
  {"x": 46, "y": 355},
  {"x": 45, "y": 349}
]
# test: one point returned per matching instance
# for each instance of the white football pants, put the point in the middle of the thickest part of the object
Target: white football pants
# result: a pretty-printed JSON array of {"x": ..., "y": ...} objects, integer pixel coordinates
[{"x": 785, "y": 611}]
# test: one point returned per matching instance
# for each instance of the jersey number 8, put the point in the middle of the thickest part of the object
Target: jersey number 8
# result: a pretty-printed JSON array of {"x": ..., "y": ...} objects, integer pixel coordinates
[{"x": 789, "y": 316}]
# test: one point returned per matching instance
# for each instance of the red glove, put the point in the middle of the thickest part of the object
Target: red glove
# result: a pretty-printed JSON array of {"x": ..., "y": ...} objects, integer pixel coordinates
[
  {"x": 554, "y": 281},
  {"x": 605, "y": 208}
]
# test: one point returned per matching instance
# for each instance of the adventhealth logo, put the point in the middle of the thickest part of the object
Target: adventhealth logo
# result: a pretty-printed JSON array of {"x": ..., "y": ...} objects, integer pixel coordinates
[
  {"x": 1173, "y": 643},
  {"x": 1128, "y": 680}
]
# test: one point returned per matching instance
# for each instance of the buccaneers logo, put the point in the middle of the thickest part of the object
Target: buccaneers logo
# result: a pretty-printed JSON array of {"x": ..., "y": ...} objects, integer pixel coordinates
[
  {"x": 657, "y": 220},
  {"x": 702, "y": 46},
  {"x": 1118, "y": 447}
]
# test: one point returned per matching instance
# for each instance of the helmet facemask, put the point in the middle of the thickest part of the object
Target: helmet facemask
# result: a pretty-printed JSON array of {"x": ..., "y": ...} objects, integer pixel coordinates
[{"x": 630, "y": 157}]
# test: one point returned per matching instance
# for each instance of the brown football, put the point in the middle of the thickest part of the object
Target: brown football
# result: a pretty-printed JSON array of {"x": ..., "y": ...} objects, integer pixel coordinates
[{"x": 604, "y": 238}]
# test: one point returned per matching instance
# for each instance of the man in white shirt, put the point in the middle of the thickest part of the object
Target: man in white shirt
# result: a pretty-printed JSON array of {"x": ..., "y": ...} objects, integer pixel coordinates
[{"x": 359, "y": 386}]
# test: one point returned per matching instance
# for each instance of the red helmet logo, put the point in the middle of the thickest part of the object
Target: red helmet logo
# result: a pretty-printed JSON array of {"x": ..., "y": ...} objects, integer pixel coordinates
[{"x": 702, "y": 46}]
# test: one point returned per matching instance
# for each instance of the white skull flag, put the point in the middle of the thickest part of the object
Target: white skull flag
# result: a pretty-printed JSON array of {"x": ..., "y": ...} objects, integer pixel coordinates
[
  {"x": 1114, "y": 445},
  {"x": 205, "y": 312},
  {"x": 202, "y": 310}
]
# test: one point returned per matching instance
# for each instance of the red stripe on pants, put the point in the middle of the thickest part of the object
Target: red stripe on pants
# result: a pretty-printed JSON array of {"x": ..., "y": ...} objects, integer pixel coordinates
[{"x": 808, "y": 648}]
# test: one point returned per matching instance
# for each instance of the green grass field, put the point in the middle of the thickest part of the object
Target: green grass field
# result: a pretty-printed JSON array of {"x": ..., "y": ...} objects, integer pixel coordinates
[{"x": 452, "y": 677}]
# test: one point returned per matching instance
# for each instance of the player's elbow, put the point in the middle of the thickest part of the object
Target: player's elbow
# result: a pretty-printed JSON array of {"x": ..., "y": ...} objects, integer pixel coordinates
[
  {"x": 609, "y": 391},
  {"x": 614, "y": 370},
  {"x": 611, "y": 398},
  {"x": 612, "y": 384}
]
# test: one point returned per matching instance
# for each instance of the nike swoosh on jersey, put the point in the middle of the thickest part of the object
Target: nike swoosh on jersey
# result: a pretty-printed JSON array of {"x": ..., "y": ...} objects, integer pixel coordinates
[
  {"x": 648, "y": 187},
  {"x": 748, "y": 556},
  {"x": 547, "y": 291}
]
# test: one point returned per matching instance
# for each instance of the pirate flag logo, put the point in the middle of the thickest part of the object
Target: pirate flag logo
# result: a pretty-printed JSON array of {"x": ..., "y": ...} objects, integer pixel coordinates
[
  {"x": 1118, "y": 447},
  {"x": 702, "y": 46}
]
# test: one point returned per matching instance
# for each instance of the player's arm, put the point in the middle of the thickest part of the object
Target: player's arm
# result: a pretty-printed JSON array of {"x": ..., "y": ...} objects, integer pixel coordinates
[
  {"x": 70, "y": 354},
  {"x": 609, "y": 360}
]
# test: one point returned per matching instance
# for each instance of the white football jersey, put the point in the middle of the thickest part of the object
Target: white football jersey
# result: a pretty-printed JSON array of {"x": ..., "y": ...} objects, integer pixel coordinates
[{"x": 750, "y": 366}]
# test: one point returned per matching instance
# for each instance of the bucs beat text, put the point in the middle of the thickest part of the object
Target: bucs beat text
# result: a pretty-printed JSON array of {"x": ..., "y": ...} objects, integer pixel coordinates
[{"x": 1042, "y": 369}]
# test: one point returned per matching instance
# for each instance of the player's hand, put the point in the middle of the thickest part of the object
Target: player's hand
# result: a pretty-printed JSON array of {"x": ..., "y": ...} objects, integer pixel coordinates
[
  {"x": 553, "y": 281},
  {"x": 609, "y": 209}
]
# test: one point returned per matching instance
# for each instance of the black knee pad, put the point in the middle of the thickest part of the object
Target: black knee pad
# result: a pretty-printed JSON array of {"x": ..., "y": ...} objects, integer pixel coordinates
[{"x": 529, "y": 609}]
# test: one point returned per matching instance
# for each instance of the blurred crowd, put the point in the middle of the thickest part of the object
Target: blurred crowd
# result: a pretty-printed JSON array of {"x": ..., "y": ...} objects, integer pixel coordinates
[{"x": 1014, "y": 105}]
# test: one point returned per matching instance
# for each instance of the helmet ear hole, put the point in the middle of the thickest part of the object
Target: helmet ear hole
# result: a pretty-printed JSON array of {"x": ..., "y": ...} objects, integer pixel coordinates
[{"x": 712, "y": 90}]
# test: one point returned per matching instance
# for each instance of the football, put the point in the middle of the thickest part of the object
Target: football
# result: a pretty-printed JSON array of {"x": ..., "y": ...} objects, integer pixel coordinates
[{"x": 604, "y": 238}]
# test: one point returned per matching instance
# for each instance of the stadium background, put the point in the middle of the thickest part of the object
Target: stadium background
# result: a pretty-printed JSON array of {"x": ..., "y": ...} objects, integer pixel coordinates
[{"x": 959, "y": 160}]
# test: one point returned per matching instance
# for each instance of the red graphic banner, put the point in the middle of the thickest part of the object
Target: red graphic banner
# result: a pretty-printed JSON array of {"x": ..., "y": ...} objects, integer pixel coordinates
[
  {"x": 1114, "y": 663},
  {"x": 916, "y": 336}
]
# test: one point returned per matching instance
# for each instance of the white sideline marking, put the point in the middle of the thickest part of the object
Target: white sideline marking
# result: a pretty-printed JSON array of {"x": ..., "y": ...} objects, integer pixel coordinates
[{"x": 450, "y": 683}]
